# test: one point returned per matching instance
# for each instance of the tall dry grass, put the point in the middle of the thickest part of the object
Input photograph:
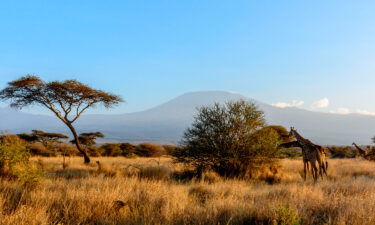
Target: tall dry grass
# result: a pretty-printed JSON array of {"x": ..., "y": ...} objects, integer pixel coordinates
[{"x": 145, "y": 191}]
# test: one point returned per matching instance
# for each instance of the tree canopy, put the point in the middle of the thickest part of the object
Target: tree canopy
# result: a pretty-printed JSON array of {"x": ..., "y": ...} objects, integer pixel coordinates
[
  {"x": 68, "y": 100},
  {"x": 228, "y": 138},
  {"x": 41, "y": 136},
  {"x": 88, "y": 139}
]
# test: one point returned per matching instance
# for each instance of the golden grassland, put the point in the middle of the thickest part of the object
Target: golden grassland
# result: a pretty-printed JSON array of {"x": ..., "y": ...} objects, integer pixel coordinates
[{"x": 150, "y": 193}]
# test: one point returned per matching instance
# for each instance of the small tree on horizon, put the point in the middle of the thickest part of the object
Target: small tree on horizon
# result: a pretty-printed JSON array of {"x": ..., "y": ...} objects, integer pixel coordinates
[
  {"x": 50, "y": 141},
  {"x": 88, "y": 139},
  {"x": 68, "y": 100},
  {"x": 47, "y": 138}
]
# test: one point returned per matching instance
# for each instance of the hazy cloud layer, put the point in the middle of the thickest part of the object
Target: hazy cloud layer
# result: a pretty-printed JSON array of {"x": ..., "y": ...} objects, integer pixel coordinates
[
  {"x": 342, "y": 111},
  {"x": 294, "y": 103},
  {"x": 365, "y": 112},
  {"x": 322, "y": 103}
]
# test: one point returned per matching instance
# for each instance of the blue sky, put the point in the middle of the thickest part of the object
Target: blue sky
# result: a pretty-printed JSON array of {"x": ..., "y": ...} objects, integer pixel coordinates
[{"x": 321, "y": 53}]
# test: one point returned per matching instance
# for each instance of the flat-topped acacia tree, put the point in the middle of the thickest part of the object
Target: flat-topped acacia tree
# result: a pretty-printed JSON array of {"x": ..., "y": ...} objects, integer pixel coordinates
[
  {"x": 67, "y": 100},
  {"x": 88, "y": 139}
]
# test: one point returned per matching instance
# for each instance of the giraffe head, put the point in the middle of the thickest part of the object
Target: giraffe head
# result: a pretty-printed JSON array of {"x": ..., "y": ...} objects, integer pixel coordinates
[{"x": 292, "y": 132}]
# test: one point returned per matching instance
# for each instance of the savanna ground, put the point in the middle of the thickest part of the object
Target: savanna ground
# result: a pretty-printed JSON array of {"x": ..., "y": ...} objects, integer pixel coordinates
[{"x": 155, "y": 191}]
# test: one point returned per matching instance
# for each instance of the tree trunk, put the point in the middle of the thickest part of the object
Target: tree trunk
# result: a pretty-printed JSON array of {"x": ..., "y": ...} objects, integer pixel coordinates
[{"x": 79, "y": 147}]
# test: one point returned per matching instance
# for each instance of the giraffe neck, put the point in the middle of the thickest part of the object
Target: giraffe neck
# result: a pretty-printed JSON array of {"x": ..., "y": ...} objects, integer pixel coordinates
[
  {"x": 302, "y": 141},
  {"x": 357, "y": 146}
]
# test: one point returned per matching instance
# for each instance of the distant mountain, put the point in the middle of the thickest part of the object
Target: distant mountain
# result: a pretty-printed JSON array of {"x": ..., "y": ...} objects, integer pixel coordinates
[{"x": 166, "y": 122}]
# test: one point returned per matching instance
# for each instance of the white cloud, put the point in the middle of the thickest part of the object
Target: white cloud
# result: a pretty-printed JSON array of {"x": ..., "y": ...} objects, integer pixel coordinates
[
  {"x": 342, "y": 111},
  {"x": 322, "y": 103},
  {"x": 294, "y": 103},
  {"x": 365, "y": 112}
]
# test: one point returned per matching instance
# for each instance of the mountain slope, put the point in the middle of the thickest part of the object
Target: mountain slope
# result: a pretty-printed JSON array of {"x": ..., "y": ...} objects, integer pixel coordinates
[{"x": 166, "y": 122}]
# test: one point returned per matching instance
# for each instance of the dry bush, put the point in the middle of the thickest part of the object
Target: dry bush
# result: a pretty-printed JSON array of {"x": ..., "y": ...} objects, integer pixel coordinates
[
  {"x": 67, "y": 149},
  {"x": 40, "y": 150},
  {"x": 185, "y": 175},
  {"x": 269, "y": 173},
  {"x": 211, "y": 177},
  {"x": 94, "y": 151},
  {"x": 341, "y": 152},
  {"x": 111, "y": 149},
  {"x": 127, "y": 149},
  {"x": 150, "y": 150},
  {"x": 201, "y": 193},
  {"x": 155, "y": 172},
  {"x": 108, "y": 171},
  {"x": 169, "y": 149},
  {"x": 11, "y": 140}
]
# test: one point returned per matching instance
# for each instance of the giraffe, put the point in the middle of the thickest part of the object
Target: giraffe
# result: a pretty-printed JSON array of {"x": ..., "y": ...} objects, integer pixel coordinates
[
  {"x": 296, "y": 144},
  {"x": 323, "y": 168},
  {"x": 360, "y": 150},
  {"x": 291, "y": 144},
  {"x": 312, "y": 154}
]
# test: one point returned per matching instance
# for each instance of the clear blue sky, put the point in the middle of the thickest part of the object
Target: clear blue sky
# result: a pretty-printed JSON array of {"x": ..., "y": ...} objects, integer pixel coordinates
[{"x": 151, "y": 51}]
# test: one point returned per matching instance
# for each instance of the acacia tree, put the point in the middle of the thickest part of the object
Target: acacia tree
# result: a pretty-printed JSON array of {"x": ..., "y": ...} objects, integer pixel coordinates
[
  {"x": 88, "y": 139},
  {"x": 67, "y": 99},
  {"x": 46, "y": 138}
]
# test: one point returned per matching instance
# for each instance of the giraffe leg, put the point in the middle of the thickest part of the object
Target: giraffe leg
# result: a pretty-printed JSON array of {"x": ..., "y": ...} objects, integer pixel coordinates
[
  {"x": 314, "y": 171},
  {"x": 305, "y": 169},
  {"x": 322, "y": 170},
  {"x": 325, "y": 171}
]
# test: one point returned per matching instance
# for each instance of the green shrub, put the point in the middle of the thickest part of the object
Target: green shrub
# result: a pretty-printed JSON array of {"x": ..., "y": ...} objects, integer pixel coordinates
[
  {"x": 28, "y": 174},
  {"x": 231, "y": 139},
  {"x": 13, "y": 153},
  {"x": 288, "y": 216}
]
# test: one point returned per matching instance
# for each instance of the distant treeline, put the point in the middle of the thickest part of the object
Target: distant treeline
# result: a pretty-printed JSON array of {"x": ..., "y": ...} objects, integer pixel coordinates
[
  {"x": 40, "y": 143},
  {"x": 50, "y": 147}
]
